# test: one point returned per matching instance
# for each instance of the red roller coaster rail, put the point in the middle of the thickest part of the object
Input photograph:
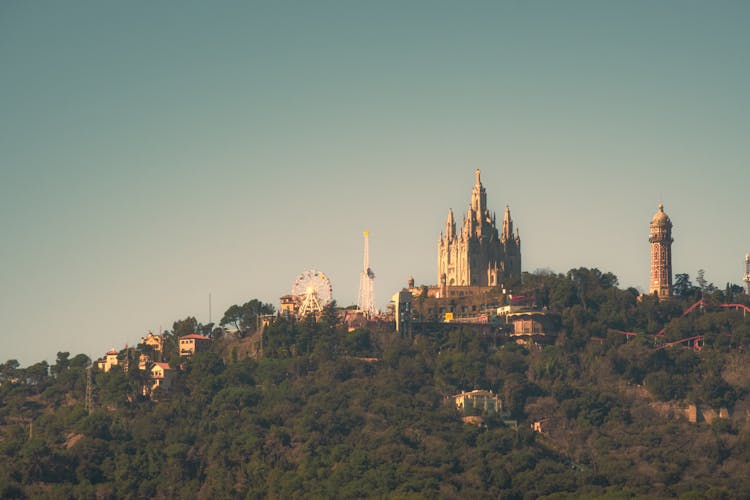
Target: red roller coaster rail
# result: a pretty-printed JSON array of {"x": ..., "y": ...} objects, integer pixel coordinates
[
  {"x": 697, "y": 343},
  {"x": 696, "y": 340}
]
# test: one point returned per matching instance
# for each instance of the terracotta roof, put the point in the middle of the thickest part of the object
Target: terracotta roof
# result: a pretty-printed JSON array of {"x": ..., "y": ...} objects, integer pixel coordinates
[
  {"x": 195, "y": 336},
  {"x": 111, "y": 353},
  {"x": 163, "y": 366}
]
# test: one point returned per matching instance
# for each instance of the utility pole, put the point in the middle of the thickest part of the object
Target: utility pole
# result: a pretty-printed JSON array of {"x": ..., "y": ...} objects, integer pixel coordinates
[{"x": 89, "y": 390}]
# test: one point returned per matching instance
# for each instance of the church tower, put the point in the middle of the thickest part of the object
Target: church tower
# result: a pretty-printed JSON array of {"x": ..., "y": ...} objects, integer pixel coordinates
[
  {"x": 661, "y": 240},
  {"x": 478, "y": 255}
]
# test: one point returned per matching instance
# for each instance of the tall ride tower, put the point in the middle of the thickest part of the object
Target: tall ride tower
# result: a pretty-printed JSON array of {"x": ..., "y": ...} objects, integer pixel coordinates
[
  {"x": 366, "y": 297},
  {"x": 661, "y": 240},
  {"x": 747, "y": 274}
]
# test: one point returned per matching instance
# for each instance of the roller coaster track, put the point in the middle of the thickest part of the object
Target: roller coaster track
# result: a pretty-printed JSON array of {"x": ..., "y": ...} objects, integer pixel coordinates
[
  {"x": 696, "y": 340},
  {"x": 687, "y": 311},
  {"x": 661, "y": 332},
  {"x": 737, "y": 306}
]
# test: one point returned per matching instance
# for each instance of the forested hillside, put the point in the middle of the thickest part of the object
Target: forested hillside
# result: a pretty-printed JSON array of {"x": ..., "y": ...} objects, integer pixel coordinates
[{"x": 316, "y": 416}]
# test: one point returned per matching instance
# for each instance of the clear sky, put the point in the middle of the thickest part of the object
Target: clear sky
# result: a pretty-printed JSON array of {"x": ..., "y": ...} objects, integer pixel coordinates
[{"x": 152, "y": 153}]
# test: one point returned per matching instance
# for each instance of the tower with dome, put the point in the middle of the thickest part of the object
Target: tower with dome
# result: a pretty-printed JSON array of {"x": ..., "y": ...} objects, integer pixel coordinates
[{"x": 660, "y": 238}]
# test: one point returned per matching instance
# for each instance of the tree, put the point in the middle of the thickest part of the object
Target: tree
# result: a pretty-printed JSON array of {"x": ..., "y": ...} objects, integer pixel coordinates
[
  {"x": 185, "y": 326},
  {"x": 245, "y": 317},
  {"x": 9, "y": 370},
  {"x": 701, "y": 279},
  {"x": 705, "y": 286},
  {"x": 61, "y": 364},
  {"x": 232, "y": 316},
  {"x": 733, "y": 292},
  {"x": 37, "y": 373},
  {"x": 206, "y": 329},
  {"x": 80, "y": 361},
  {"x": 682, "y": 285}
]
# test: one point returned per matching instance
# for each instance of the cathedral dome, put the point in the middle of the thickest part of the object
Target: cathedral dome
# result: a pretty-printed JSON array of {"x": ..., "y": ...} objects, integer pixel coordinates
[{"x": 660, "y": 217}]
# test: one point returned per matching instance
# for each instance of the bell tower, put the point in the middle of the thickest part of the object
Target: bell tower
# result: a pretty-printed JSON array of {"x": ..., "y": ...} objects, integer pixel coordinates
[{"x": 660, "y": 237}]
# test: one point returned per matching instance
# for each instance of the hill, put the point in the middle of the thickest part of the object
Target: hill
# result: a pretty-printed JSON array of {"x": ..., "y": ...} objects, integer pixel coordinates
[{"x": 599, "y": 413}]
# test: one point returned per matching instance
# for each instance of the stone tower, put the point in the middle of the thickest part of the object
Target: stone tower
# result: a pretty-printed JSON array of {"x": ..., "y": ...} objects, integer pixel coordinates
[
  {"x": 479, "y": 255},
  {"x": 661, "y": 240}
]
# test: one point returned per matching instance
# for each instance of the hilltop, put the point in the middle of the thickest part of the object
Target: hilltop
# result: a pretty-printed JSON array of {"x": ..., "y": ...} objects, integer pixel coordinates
[{"x": 619, "y": 405}]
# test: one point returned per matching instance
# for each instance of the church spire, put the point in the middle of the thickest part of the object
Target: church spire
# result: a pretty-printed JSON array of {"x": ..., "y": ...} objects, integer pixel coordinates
[
  {"x": 450, "y": 226},
  {"x": 478, "y": 254},
  {"x": 478, "y": 197},
  {"x": 507, "y": 231}
]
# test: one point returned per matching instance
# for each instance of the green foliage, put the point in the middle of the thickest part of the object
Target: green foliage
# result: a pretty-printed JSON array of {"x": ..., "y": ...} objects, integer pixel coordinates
[
  {"x": 331, "y": 413},
  {"x": 245, "y": 317},
  {"x": 185, "y": 326}
]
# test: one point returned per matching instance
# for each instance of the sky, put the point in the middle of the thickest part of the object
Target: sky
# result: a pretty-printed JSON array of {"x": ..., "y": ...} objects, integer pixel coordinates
[{"x": 153, "y": 153}]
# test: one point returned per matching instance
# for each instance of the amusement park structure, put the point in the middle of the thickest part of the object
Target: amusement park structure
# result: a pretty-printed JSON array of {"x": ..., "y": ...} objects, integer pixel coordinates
[
  {"x": 694, "y": 342},
  {"x": 747, "y": 274},
  {"x": 366, "y": 296},
  {"x": 312, "y": 291}
]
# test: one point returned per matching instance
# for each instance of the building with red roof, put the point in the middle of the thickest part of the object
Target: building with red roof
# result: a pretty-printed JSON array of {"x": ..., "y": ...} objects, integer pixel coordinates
[
  {"x": 108, "y": 361},
  {"x": 193, "y": 343},
  {"x": 160, "y": 376}
]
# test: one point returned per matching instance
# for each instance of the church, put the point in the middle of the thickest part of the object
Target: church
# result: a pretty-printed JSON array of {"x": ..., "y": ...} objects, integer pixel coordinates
[
  {"x": 474, "y": 266},
  {"x": 478, "y": 255}
]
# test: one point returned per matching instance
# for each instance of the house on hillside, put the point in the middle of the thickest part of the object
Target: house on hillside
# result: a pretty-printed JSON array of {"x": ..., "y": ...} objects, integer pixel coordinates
[
  {"x": 478, "y": 402},
  {"x": 289, "y": 306},
  {"x": 108, "y": 361},
  {"x": 155, "y": 343},
  {"x": 353, "y": 319},
  {"x": 144, "y": 361},
  {"x": 160, "y": 377},
  {"x": 193, "y": 343},
  {"x": 529, "y": 327},
  {"x": 474, "y": 405}
]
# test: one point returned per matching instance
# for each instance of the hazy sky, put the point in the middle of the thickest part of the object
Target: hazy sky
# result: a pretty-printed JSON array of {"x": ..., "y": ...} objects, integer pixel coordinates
[{"x": 152, "y": 153}]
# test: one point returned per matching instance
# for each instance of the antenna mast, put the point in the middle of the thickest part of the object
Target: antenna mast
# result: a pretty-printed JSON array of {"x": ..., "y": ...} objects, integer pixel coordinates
[
  {"x": 747, "y": 274},
  {"x": 366, "y": 298}
]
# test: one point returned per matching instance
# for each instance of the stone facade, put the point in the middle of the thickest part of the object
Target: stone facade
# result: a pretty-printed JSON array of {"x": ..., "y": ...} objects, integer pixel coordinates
[
  {"x": 660, "y": 237},
  {"x": 479, "y": 255},
  {"x": 479, "y": 402},
  {"x": 530, "y": 327},
  {"x": 472, "y": 302}
]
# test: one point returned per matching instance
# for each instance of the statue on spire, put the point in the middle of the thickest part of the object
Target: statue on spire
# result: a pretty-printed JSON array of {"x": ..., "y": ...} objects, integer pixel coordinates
[{"x": 478, "y": 199}]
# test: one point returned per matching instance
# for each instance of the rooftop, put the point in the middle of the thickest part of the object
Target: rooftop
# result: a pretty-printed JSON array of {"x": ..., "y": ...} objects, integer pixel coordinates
[{"x": 195, "y": 336}]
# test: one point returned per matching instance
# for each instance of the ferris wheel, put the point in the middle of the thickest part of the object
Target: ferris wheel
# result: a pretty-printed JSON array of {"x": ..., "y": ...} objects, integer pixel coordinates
[{"x": 312, "y": 290}]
